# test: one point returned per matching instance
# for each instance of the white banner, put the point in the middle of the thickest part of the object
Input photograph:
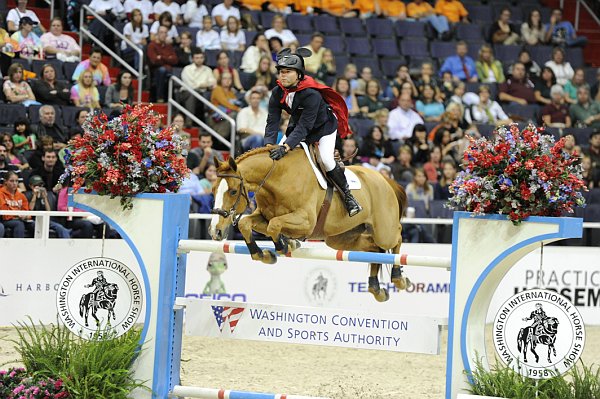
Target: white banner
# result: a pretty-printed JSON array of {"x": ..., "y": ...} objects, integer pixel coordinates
[{"x": 312, "y": 326}]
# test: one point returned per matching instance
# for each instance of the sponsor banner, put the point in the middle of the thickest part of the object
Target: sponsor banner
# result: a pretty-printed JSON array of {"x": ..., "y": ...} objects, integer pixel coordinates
[
  {"x": 539, "y": 333},
  {"x": 312, "y": 326}
]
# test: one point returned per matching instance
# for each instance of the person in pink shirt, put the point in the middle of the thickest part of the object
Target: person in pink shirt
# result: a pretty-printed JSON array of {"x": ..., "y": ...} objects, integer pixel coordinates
[{"x": 95, "y": 65}]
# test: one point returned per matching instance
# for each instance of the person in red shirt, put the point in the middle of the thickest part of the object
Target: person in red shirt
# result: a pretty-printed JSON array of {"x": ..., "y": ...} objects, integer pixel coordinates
[
  {"x": 162, "y": 58},
  {"x": 517, "y": 89},
  {"x": 12, "y": 199}
]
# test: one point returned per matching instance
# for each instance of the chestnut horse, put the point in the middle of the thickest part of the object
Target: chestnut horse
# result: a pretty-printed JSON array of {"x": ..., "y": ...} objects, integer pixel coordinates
[{"x": 289, "y": 198}]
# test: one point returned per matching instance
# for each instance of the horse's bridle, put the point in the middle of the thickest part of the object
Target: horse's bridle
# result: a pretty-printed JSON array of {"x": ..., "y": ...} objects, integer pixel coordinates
[{"x": 235, "y": 217}]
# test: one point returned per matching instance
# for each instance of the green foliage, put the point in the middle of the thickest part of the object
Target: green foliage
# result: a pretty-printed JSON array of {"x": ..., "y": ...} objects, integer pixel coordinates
[
  {"x": 98, "y": 368},
  {"x": 581, "y": 382}
]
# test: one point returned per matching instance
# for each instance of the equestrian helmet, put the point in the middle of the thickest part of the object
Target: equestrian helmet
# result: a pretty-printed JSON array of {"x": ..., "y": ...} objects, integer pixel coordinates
[{"x": 287, "y": 59}]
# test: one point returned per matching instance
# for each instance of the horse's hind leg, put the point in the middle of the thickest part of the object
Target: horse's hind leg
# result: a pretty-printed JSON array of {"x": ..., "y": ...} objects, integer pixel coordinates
[{"x": 398, "y": 279}]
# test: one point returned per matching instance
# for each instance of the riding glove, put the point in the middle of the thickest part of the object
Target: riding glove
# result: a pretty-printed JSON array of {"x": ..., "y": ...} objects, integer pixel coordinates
[{"x": 277, "y": 153}]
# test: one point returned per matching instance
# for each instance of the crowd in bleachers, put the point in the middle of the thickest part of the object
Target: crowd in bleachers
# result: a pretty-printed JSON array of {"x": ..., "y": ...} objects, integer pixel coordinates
[{"x": 419, "y": 78}]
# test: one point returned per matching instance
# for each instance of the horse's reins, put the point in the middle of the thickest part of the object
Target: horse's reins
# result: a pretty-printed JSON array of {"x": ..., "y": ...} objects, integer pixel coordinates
[{"x": 242, "y": 192}]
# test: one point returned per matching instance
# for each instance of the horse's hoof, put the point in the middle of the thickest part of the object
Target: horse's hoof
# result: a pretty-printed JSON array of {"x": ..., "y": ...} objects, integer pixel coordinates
[
  {"x": 256, "y": 256},
  {"x": 381, "y": 294},
  {"x": 400, "y": 282},
  {"x": 293, "y": 245},
  {"x": 268, "y": 257}
]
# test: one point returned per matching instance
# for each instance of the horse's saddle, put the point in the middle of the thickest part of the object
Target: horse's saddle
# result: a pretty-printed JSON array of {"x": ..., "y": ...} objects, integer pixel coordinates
[{"x": 353, "y": 181}]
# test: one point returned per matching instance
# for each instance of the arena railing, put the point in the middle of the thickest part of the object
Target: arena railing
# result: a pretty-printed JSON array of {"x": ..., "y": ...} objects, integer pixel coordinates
[{"x": 42, "y": 219}]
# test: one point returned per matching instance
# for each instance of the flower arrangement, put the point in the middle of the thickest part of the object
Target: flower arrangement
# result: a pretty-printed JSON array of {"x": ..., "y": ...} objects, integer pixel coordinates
[
  {"x": 520, "y": 174},
  {"x": 15, "y": 384},
  {"x": 126, "y": 156}
]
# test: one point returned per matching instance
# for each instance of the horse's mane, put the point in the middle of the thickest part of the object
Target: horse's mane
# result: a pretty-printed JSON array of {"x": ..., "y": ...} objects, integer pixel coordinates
[{"x": 250, "y": 153}]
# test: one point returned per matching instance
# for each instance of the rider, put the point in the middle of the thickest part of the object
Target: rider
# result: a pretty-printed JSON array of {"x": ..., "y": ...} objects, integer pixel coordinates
[
  {"x": 314, "y": 115},
  {"x": 538, "y": 316},
  {"x": 98, "y": 283}
]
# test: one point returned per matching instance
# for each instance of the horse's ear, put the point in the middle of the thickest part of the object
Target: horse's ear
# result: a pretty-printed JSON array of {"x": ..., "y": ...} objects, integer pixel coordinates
[
  {"x": 232, "y": 164},
  {"x": 216, "y": 161}
]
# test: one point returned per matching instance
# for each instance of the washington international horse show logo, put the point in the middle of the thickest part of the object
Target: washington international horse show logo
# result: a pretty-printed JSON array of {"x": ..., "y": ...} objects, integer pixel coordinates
[
  {"x": 99, "y": 294},
  {"x": 320, "y": 286},
  {"x": 539, "y": 333}
]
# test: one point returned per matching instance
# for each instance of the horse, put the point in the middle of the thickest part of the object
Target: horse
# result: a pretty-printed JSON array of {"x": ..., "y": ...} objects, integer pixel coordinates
[
  {"x": 544, "y": 334},
  {"x": 288, "y": 199},
  {"x": 320, "y": 287},
  {"x": 107, "y": 302}
]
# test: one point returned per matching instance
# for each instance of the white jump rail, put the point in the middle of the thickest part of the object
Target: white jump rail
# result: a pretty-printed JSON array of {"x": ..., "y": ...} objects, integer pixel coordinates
[{"x": 211, "y": 393}]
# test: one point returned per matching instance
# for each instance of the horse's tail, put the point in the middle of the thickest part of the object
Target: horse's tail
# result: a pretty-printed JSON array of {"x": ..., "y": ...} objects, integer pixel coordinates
[{"x": 400, "y": 195}]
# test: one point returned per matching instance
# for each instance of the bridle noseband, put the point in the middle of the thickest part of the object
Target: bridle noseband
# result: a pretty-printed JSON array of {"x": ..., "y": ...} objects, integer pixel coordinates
[{"x": 235, "y": 217}]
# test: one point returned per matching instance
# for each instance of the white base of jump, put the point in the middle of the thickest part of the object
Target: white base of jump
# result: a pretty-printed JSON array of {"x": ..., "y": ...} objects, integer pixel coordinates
[
  {"x": 211, "y": 393},
  {"x": 228, "y": 247}
]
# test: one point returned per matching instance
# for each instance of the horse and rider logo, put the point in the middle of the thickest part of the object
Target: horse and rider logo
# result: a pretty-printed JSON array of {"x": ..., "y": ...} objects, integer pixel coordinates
[
  {"x": 99, "y": 294},
  {"x": 539, "y": 333},
  {"x": 320, "y": 287}
]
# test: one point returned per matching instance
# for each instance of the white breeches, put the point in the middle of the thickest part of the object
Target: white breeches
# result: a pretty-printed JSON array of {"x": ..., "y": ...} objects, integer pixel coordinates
[{"x": 326, "y": 150}]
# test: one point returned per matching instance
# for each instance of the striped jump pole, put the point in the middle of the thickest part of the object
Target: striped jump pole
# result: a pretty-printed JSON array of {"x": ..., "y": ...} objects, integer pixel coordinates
[
  {"x": 226, "y": 247},
  {"x": 210, "y": 393}
]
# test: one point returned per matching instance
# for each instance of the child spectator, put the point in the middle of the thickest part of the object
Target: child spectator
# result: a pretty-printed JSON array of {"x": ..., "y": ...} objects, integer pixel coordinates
[{"x": 207, "y": 38}]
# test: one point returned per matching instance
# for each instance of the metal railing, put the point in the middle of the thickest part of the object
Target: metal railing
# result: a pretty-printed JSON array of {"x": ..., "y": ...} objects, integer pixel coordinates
[
  {"x": 578, "y": 4},
  {"x": 174, "y": 80},
  {"x": 51, "y": 4},
  {"x": 139, "y": 73}
]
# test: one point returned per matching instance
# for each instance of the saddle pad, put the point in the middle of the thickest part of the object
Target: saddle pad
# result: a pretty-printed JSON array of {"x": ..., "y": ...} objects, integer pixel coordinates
[{"x": 353, "y": 181}]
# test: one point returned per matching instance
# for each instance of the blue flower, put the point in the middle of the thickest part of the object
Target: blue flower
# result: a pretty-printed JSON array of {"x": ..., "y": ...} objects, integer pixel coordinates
[{"x": 147, "y": 162}]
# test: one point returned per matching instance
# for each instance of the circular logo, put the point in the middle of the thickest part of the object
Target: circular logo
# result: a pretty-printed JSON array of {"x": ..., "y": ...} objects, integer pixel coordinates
[
  {"x": 99, "y": 295},
  {"x": 539, "y": 333},
  {"x": 319, "y": 286}
]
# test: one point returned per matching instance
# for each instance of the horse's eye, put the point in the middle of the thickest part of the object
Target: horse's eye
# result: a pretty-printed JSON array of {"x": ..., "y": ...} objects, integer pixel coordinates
[{"x": 232, "y": 192}]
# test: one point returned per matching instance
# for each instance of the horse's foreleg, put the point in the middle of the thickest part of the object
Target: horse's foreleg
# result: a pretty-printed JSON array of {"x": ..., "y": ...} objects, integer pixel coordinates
[
  {"x": 296, "y": 224},
  {"x": 256, "y": 222}
]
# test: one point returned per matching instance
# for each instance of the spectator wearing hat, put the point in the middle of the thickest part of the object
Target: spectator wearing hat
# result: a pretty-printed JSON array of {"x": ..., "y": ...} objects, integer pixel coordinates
[
  {"x": 41, "y": 199},
  {"x": 556, "y": 114},
  {"x": 58, "y": 45},
  {"x": 586, "y": 112},
  {"x": 14, "y": 16},
  {"x": 95, "y": 65},
  {"x": 30, "y": 44}
]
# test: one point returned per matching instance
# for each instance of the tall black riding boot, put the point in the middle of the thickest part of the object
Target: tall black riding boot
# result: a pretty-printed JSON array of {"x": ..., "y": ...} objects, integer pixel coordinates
[{"x": 339, "y": 181}]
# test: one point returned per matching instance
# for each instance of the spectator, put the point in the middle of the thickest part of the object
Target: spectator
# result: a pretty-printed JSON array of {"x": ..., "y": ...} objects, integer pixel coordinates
[
  {"x": 392, "y": 9},
  {"x": 41, "y": 199},
  {"x": 110, "y": 11},
  {"x": 13, "y": 19},
  {"x": 258, "y": 49},
  {"x": 205, "y": 152},
  {"x": 222, "y": 11},
  {"x": 22, "y": 136},
  {"x": 193, "y": 13},
  {"x": 161, "y": 57},
  {"x": 381, "y": 120},
  {"x": 561, "y": 67},
  {"x": 223, "y": 65},
  {"x": 165, "y": 20},
  {"x": 432, "y": 168},
  {"x": 443, "y": 140},
  {"x": 502, "y": 31},
  {"x": 58, "y": 45},
  {"x": 586, "y": 113},
  {"x": 11, "y": 199},
  {"x": 457, "y": 118},
  {"x": 571, "y": 148},
  {"x": 145, "y": 7},
  {"x": 376, "y": 144},
  {"x": 403, "y": 169},
  {"x": 428, "y": 107},
  {"x": 461, "y": 66},
  {"x": 201, "y": 79},
  {"x": 49, "y": 90},
  {"x": 207, "y": 38},
  {"x": 94, "y": 64},
  {"x": 342, "y": 86},
  {"x": 50, "y": 171},
  {"x": 16, "y": 90},
  {"x": 7, "y": 48},
  {"x": 453, "y": 10},
  {"x": 169, "y": 6},
  {"x": 80, "y": 227},
  {"x": 84, "y": 93},
  {"x": 489, "y": 69},
  {"x": 449, "y": 173},
  {"x": 422, "y": 10},
  {"x": 251, "y": 122},
  {"x": 403, "y": 119},
  {"x": 589, "y": 175},
  {"x": 488, "y": 111},
  {"x": 419, "y": 145},
  {"x": 137, "y": 32},
  {"x": 420, "y": 189},
  {"x": 206, "y": 199},
  {"x": 428, "y": 78},
  {"x": 13, "y": 156},
  {"x": 49, "y": 127},
  {"x": 532, "y": 69},
  {"x": 350, "y": 151},
  {"x": 232, "y": 36},
  {"x": 595, "y": 92},
  {"x": 366, "y": 75},
  {"x": 263, "y": 76},
  {"x": 458, "y": 92},
  {"x": 276, "y": 45},
  {"x": 517, "y": 89},
  {"x": 594, "y": 153},
  {"x": 562, "y": 33},
  {"x": 6, "y": 166},
  {"x": 313, "y": 63},
  {"x": 556, "y": 114},
  {"x": 340, "y": 9},
  {"x": 120, "y": 93},
  {"x": 574, "y": 84},
  {"x": 327, "y": 71},
  {"x": 351, "y": 74},
  {"x": 225, "y": 98},
  {"x": 30, "y": 44},
  {"x": 77, "y": 126},
  {"x": 185, "y": 50},
  {"x": 279, "y": 30},
  {"x": 543, "y": 86},
  {"x": 402, "y": 76},
  {"x": 533, "y": 31},
  {"x": 370, "y": 102}
]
